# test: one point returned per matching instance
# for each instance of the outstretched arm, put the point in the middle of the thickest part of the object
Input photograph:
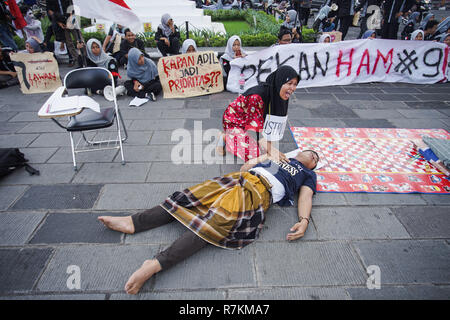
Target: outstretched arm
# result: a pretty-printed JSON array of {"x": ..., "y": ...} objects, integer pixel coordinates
[
  {"x": 253, "y": 162},
  {"x": 304, "y": 212}
]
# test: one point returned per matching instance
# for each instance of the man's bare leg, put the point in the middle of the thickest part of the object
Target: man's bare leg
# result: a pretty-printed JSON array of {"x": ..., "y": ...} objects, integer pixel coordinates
[
  {"x": 141, "y": 275},
  {"x": 121, "y": 224}
]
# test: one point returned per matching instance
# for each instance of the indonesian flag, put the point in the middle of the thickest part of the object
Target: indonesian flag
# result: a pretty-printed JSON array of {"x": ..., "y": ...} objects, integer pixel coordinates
[{"x": 116, "y": 11}]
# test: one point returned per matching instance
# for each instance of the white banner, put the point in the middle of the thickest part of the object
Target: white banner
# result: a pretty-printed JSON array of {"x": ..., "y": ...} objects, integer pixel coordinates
[{"x": 345, "y": 62}]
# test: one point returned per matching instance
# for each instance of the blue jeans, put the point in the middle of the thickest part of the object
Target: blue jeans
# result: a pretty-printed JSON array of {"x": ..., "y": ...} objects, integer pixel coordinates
[{"x": 6, "y": 38}]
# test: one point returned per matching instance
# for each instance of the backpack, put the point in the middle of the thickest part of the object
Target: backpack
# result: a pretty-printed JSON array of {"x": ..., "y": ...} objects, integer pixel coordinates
[{"x": 11, "y": 159}]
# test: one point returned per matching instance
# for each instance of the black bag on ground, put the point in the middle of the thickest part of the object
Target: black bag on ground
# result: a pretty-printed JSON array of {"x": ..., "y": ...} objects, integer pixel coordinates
[{"x": 11, "y": 159}]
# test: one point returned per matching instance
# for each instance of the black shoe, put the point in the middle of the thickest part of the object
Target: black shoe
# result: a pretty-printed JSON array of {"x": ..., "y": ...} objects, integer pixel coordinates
[{"x": 3, "y": 85}]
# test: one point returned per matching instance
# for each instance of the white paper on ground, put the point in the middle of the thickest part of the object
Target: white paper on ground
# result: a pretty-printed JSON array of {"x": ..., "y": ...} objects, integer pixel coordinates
[{"x": 138, "y": 101}]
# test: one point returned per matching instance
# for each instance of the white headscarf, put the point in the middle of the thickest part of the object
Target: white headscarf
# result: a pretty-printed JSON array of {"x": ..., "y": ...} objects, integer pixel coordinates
[
  {"x": 415, "y": 33},
  {"x": 186, "y": 44},
  {"x": 164, "y": 27},
  {"x": 101, "y": 60},
  {"x": 323, "y": 37},
  {"x": 229, "y": 53}
]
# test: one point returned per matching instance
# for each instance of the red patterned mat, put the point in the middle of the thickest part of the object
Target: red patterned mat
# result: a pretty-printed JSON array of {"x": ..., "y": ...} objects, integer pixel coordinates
[{"x": 372, "y": 160}]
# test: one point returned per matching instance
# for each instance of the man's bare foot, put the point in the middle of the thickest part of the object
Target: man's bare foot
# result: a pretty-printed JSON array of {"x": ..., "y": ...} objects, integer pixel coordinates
[
  {"x": 141, "y": 275},
  {"x": 121, "y": 224}
]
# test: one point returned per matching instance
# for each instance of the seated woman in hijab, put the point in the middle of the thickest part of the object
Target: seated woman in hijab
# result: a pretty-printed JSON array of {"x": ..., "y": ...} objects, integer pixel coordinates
[
  {"x": 232, "y": 51},
  {"x": 325, "y": 38},
  {"x": 292, "y": 23},
  {"x": 417, "y": 35},
  {"x": 96, "y": 57},
  {"x": 143, "y": 74},
  {"x": 369, "y": 34},
  {"x": 189, "y": 46},
  {"x": 411, "y": 25},
  {"x": 167, "y": 36},
  {"x": 257, "y": 106},
  {"x": 34, "y": 45}
]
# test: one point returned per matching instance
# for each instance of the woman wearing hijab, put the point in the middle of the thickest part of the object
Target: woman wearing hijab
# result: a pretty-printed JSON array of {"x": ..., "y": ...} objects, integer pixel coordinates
[
  {"x": 96, "y": 57},
  {"x": 232, "y": 51},
  {"x": 417, "y": 35},
  {"x": 292, "y": 23},
  {"x": 256, "y": 106},
  {"x": 189, "y": 46},
  {"x": 369, "y": 34},
  {"x": 143, "y": 74},
  {"x": 34, "y": 45},
  {"x": 411, "y": 25},
  {"x": 325, "y": 38},
  {"x": 167, "y": 36}
]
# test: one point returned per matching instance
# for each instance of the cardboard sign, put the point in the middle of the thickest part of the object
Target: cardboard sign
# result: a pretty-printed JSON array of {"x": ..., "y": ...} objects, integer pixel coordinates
[
  {"x": 336, "y": 36},
  {"x": 37, "y": 72},
  {"x": 190, "y": 75}
]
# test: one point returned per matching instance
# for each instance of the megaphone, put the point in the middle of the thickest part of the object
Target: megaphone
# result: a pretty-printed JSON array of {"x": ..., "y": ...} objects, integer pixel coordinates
[{"x": 108, "y": 92}]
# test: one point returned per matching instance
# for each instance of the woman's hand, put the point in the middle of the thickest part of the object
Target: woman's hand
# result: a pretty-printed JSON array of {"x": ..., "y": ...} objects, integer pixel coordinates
[
  {"x": 277, "y": 155},
  {"x": 298, "y": 229},
  {"x": 137, "y": 86}
]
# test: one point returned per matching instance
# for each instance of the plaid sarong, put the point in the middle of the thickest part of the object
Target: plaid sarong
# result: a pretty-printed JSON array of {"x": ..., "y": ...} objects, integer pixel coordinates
[{"x": 227, "y": 211}]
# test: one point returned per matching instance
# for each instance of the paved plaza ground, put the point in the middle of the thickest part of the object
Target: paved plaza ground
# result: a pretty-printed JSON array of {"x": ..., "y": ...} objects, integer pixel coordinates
[{"x": 49, "y": 222}]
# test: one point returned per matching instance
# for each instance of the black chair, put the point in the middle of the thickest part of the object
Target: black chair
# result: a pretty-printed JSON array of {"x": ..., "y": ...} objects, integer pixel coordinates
[{"x": 89, "y": 120}]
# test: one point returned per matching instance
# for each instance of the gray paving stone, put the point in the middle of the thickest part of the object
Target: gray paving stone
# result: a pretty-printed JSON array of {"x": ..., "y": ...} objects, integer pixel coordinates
[
  {"x": 16, "y": 228},
  {"x": 20, "y": 268},
  {"x": 60, "y": 139},
  {"x": 141, "y": 113},
  {"x": 407, "y": 261},
  {"x": 17, "y": 140},
  {"x": 159, "y": 124},
  {"x": 38, "y": 155},
  {"x": 174, "y": 295},
  {"x": 433, "y": 96},
  {"x": 179, "y": 137},
  {"x": 213, "y": 123},
  {"x": 425, "y": 222},
  {"x": 348, "y": 89},
  {"x": 64, "y": 155},
  {"x": 314, "y": 96},
  {"x": 102, "y": 267},
  {"x": 278, "y": 223},
  {"x": 299, "y": 113},
  {"x": 9, "y": 194},
  {"x": 112, "y": 173},
  {"x": 383, "y": 199},
  {"x": 333, "y": 112},
  {"x": 367, "y": 123},
  {"x": 366, "y": 223},
  {"x": 395, "y": 97},
  {"x": 146, "y": 153},
  {"x": 375, "y": 105},
  {"x": 420, "y": 114},
  {"x": 199, "y": 270},
  {"x": 75, "y": 228},
  {"x": 6, "y": 115},
  {"x": 26, "y": 117},
  {"x": 288, "y": 294},
  {"x": 186, "y": 114},
  {"x": 427, "y": 104},
  {"x": 331, "y": 89},
  {"x": 354, "y": 96},
  {"x": 182, "y": 172},
  {"x": 419, "y": 124},
  {"x": 138, "y": 138},
  {"x": 41, "y": 127},
  {"x": 49, "y": 174},
  {"x": 397, "y": 90},
  {"x": 412, "y": 292},
  {"x": 378, "y": 114},
  {"x": 135, "y": 196},
  {"x": 436, "y": 199},
  {"x": 10, "y": 127},
  {"x": 325, "y": 123},
  {"x": 56, "y": 297},
  {"x": 329, "y": 199},
  {"x": 317, "y": 263},
  {"x": 70, "y": 196}
]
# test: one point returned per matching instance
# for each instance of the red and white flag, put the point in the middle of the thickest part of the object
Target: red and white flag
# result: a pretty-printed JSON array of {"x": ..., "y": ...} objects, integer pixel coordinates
[{"x": 116, "y": 11}]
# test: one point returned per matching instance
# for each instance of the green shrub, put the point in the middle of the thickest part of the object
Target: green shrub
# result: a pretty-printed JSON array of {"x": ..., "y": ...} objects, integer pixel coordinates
[{"x": 20, "y": 42}]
